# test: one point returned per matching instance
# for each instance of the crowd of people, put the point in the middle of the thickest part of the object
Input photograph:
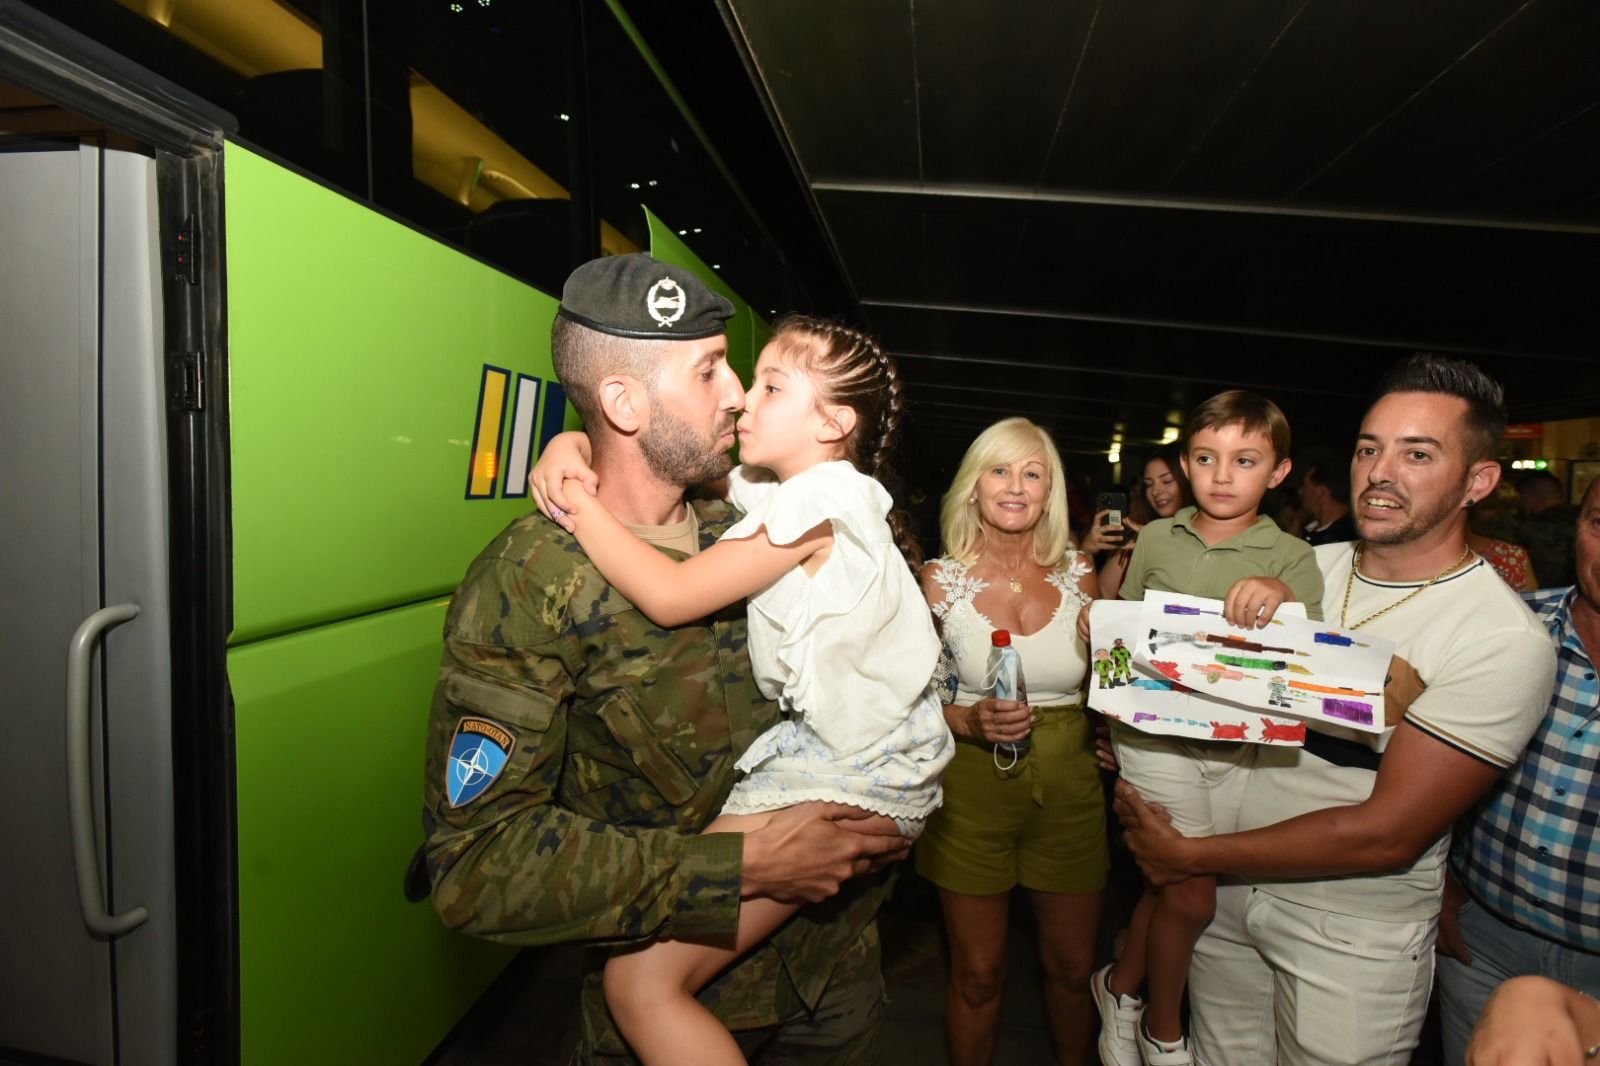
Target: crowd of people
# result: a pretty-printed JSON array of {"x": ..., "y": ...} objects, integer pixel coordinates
[{"x": 693, "y": 715}]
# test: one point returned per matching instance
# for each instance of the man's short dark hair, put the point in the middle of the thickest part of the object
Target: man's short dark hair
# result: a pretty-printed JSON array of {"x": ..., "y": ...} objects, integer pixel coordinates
[
  {"x": 1321, "y": 466},
  {"x": 1486, "y": 402},
  {"x": 583, "y": 356}
]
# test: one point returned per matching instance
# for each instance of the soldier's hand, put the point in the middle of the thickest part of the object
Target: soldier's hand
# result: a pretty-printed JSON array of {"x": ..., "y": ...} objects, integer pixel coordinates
[{"x": 807, "y": 851}]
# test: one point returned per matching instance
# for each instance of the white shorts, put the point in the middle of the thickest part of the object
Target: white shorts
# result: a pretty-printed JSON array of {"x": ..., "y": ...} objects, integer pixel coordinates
[
  {"x": 1199, "y": 782},
  {"x": 1275, "y": 983}
]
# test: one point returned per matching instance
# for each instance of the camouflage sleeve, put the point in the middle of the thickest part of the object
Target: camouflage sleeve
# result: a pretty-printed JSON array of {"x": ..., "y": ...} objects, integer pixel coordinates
[{"x": 508, "y": 861}]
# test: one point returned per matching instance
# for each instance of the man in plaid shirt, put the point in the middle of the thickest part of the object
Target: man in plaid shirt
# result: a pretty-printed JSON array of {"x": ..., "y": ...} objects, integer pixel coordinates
[{"x": 1525, "y": 896}]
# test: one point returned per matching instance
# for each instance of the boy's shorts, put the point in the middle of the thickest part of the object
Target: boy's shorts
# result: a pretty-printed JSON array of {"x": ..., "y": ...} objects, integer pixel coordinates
[{"x": 1199, "y": 782}]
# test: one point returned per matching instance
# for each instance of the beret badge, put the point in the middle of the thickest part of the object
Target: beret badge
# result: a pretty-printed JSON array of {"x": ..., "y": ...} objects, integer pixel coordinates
[{"x": 666, "y": 301}]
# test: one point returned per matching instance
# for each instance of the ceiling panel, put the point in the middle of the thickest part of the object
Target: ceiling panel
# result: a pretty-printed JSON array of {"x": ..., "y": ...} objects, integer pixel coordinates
[
  {"x": 1337, "y": 72},
  {"x": 994, "y": 78},
  {"x": 842, "y": 75},
  {"x": 1099, "y": 214},
  {"x": 1484, "y": 108}
]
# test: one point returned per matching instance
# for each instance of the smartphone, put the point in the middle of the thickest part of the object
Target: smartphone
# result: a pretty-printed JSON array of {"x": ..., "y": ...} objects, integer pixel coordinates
[{"x": 1114, "y": 504}]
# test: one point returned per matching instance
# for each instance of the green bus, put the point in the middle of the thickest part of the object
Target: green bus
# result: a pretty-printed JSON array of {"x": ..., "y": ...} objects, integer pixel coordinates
[{"x": 278, "y": 282}]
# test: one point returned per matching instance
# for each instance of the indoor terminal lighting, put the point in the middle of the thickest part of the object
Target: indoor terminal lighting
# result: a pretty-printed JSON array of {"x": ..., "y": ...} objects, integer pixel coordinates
[
  {"x": 1169, "y": 434},
  {"x": 1114, "y": 456},
  {"x": 651, "y": 183},
  {"x": 683, "y": 233},
  {"x": 633, "y": 185},
  {"x": 564, "y": 117}
]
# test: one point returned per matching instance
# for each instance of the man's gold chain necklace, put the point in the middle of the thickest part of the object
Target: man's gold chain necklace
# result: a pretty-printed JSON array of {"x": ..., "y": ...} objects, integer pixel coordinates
[{"x": 1350, "y": 582}]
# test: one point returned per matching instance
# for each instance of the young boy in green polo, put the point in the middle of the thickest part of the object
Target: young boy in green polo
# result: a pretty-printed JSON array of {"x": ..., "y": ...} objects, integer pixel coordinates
[{"x": 1236, "y": 448}]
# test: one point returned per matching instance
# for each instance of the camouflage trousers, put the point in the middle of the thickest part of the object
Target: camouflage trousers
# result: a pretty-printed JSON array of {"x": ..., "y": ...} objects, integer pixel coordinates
[{"x": 845, "y": 1030}]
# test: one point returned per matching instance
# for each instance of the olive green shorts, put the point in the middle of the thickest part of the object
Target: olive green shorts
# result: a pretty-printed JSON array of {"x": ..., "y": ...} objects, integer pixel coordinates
[{"x": 1041, "y": 824}]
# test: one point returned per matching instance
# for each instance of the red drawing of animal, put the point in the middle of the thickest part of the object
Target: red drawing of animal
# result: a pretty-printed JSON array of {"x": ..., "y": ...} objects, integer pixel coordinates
[
  {"x": 1287, "y": 732},
  {"x": 1229, "y": 730}
]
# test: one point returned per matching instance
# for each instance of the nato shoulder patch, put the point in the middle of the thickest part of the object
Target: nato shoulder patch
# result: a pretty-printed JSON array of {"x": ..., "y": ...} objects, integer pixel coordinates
[{"x": 478, "y": 753}]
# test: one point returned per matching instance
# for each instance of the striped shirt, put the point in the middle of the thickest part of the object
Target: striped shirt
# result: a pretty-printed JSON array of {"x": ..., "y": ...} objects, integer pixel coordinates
[{"x": 1528, "y": 852}]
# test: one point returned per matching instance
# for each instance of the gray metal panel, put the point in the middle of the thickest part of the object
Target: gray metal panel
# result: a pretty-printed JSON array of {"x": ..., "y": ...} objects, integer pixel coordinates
[
  {"x": 54, "y": 979},
  {"x": 138, "y": 656}
]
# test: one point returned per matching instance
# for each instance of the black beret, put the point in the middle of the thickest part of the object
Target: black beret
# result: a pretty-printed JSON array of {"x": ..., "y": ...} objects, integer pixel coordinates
[{"x": 640, "y": 296}]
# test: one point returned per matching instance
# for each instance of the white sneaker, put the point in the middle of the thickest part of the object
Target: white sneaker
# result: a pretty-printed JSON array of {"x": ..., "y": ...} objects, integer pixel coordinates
[
  {"x": 1152, "y": 1053},
  {"x": 1119, "y": 1022}
]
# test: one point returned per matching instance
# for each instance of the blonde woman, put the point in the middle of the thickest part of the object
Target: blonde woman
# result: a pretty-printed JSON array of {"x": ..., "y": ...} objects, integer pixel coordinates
[{"x": 1034, "y": 817}]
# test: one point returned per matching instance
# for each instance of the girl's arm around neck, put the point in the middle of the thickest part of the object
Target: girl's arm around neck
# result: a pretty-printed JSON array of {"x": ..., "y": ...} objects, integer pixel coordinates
[{"x": 671, "y": 592}]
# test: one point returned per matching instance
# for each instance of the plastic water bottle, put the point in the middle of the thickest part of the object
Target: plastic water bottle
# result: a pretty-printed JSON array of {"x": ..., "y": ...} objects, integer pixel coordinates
[{"x": 1006, "y": 682}]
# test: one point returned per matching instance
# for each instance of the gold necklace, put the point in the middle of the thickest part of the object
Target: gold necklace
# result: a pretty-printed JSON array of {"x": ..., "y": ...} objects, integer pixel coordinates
[
  {"x": 1350, "y": 581},
  {"x": 1014, "y": 580}
]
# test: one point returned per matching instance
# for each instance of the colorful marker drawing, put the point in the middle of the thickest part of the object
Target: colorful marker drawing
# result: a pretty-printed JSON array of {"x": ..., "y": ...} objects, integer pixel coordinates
[
  {"x": 1269, "y": 683},
  {"x": 1156, "y": 701}
]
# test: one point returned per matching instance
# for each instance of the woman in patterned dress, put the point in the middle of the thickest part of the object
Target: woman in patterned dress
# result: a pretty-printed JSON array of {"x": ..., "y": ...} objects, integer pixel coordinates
[{"x": 1032, "y": 815}]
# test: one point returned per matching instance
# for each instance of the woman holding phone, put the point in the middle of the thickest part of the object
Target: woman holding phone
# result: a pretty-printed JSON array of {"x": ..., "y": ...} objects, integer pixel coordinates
[{"x": 1161, "y": 492}]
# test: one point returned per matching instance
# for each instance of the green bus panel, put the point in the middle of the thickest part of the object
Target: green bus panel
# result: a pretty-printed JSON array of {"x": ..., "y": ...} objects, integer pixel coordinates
[
  {"x": 335, "y": 966},
  {"x": 357, "y": 349},
  {"x": 747, "y": 331}
]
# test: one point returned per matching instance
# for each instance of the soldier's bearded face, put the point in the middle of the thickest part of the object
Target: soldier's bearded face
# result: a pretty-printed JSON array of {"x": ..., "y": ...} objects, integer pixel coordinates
[
  {"x": 679, "y": 455},
  {"x": 694, "y": 399}
]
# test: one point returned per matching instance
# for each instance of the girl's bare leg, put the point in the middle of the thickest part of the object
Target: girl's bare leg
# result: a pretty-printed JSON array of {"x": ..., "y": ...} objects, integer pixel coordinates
[{"x": 651, "y": 991}]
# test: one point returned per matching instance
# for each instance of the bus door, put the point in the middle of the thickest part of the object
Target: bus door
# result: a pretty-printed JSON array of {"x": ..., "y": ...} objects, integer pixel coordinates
[{"x": 87, "y": 942}]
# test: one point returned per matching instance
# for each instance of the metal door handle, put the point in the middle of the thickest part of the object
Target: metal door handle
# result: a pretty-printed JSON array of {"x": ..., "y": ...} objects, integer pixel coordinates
[{"x": 80, "y": 806}]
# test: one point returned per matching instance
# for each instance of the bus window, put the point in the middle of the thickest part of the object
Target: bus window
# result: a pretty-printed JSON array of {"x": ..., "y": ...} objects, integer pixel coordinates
[
  {"x": 492, "y": 99},
  {"x": 647, "y": 153}
]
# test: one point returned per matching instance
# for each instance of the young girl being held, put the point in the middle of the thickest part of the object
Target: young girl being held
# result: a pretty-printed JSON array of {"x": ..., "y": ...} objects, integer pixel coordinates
[{"x": 839, "y": 636}]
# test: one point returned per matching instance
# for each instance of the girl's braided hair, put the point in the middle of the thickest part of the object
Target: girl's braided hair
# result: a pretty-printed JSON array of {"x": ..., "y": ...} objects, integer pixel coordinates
[{"x": 850, "y": 368}]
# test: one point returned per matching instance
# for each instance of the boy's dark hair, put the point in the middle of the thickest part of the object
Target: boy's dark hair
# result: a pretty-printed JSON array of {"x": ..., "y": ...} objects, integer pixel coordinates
[
  {"x": 1250, "y": 411},
  {"x": 1486, "y": 402}
]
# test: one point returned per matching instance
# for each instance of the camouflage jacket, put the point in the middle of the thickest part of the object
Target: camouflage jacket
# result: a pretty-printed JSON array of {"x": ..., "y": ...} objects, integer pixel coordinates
[{"x": 587, "y": 747}]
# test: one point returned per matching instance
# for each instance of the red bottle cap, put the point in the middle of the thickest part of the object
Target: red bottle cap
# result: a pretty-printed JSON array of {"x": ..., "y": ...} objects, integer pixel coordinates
[{"x": 1001, "y": 638}]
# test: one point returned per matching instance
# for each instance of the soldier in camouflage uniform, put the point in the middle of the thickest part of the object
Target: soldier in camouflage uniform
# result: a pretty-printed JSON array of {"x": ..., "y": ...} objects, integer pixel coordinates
[{"x": 575, "y": 749}]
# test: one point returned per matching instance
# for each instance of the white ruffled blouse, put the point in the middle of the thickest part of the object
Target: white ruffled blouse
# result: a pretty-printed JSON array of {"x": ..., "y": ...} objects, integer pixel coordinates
[{"x": 848, "y": 652}]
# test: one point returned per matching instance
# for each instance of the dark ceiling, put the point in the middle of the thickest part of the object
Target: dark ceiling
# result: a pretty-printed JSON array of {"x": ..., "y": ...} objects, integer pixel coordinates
[{"x": 1099, "y": 213}]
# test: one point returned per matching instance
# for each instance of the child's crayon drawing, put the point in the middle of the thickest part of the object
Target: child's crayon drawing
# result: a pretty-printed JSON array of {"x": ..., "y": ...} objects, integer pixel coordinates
[{"x": 1193, "y": 674}]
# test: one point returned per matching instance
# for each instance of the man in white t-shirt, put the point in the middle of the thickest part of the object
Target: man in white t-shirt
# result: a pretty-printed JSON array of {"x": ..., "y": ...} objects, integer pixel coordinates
[{"x": 1322, "y": 947}]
